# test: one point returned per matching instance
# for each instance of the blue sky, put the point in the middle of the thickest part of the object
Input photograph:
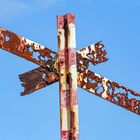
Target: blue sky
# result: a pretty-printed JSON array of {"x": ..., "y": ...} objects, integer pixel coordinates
[{"x": 36, "y": 116}]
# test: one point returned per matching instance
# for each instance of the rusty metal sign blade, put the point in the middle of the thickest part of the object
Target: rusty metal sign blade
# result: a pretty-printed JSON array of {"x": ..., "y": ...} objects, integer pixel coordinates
[
  {"x": 94, "y": 53},
  {"x": 109, "y": 90},
  {"x": 24, "y": 48},
  {"x": 37, "y": 79}
]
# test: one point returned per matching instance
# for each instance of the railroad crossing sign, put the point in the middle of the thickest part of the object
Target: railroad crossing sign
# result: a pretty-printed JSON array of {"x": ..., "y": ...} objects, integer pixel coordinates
[{"x": 70, "y": 68}]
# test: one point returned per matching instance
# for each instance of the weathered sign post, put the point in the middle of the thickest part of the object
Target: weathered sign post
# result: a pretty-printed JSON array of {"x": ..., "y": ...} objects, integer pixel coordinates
[
  {"x": 70, "y": 68},
  {"x": 68, "y": 77}
]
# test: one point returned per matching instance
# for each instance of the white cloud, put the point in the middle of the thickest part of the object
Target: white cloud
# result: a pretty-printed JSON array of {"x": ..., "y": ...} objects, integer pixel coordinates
[{"x": 13, "y": 8}]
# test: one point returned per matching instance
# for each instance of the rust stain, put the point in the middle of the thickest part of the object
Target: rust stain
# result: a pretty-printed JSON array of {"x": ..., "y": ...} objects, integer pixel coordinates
[
  {"x": 68, "y": 78},
  {"x": 24, "y": 48},
  {"x": 94, "y": 53},
  {"x": 38, "y": 78},
  {"x": 109, "y": 90}
]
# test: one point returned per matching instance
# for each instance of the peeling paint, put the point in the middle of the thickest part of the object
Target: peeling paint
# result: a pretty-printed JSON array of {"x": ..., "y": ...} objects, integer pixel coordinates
[{"x": 68, "y": 77}]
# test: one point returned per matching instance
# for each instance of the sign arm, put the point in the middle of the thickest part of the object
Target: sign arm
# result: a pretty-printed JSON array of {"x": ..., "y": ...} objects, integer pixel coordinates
[
  {"x": 34, "y": 79},
  {"x": 38, "y": 78},
  {"x": 25, "y": 48},
  {"x": 109, "y": 90},
  {"x": 94, "y": 53}
]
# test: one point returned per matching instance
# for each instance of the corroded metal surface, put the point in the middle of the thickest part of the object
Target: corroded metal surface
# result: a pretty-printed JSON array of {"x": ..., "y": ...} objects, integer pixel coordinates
[
  {"x": 52, "y": 65},
  {"x": 24, "y": 48},
  {"x": 64, "y": 86},
  {"x": 93, "y": 53},
  {"x": 68, "y": 78},
  {"x": 72, "y": 78},
  {"x": 48, "y": 60},
  {"x": 38, "y": 78},
  {"x": 109, "y": 90}
]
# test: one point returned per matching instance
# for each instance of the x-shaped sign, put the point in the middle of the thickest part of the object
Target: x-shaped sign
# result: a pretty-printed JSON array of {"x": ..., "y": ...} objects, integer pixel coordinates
[{"x": 52, "y": 65}]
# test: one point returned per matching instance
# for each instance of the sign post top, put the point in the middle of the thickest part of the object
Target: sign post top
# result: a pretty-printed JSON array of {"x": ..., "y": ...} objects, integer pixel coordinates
[{"x": 66, "y": 19}]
